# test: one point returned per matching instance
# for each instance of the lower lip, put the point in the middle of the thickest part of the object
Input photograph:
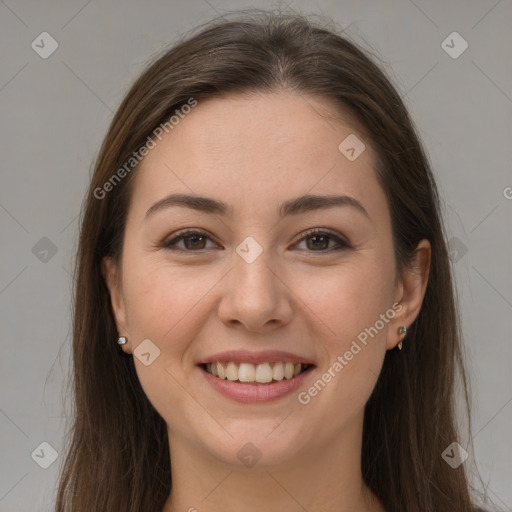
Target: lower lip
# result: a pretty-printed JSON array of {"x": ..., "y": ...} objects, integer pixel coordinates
[{"x": 245, "y": 393}]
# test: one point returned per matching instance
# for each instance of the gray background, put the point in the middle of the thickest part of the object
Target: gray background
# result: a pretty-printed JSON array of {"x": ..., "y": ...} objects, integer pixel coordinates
[{"x": 55, "y": 112}]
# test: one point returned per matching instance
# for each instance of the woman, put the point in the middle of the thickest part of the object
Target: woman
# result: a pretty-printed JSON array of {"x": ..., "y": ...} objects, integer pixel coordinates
[{"x": 262, "y": 237}]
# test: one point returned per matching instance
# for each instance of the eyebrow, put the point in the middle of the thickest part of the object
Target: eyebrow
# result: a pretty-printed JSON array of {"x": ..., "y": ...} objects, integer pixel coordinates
[{"x": 297, "y": 206}]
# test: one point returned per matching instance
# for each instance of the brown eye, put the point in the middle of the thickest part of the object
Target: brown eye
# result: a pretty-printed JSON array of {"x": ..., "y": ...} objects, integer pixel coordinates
[
  {"x": 318, "y": 241},
  {"x": 193, "y": 241},
  {"x": 315, "y": 240}
]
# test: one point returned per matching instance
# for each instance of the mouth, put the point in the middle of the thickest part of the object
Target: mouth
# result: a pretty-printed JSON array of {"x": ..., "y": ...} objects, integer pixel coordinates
[{"x": 262, "y": 374}]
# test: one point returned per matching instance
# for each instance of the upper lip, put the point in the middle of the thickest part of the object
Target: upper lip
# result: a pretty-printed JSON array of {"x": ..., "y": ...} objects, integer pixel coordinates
[{"x": 246, "y": 356}]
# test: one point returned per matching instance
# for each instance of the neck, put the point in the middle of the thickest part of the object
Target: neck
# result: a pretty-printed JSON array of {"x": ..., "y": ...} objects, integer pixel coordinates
[{"x": 324, "y": 478}]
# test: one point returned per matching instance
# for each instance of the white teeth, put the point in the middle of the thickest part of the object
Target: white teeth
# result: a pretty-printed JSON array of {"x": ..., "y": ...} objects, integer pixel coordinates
[
  {"x": 246, "y": 372},
  {"x": 262, "y": 373},
  {"x": 232, "y": 372},
  {"x": 278, "y": 371}
]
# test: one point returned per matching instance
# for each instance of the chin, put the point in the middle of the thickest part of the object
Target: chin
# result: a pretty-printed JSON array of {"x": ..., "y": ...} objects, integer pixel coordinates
[{"x": 256, "y": 443}]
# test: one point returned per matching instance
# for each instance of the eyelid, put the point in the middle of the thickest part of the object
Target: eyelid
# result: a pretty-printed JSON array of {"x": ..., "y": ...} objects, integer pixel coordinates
[
  {"x": 325, "y": 231},
  {"x": 169, "y": 244}
]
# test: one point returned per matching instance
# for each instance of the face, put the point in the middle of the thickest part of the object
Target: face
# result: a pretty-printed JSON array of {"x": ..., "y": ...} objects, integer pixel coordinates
[{"x": 268, "y": 279}]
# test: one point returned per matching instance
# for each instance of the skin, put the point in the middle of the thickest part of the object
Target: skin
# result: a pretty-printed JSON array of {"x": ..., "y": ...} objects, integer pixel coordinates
[{"x": 255, "y": 152}]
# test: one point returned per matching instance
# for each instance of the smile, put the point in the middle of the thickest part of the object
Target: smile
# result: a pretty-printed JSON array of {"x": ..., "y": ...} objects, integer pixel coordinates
[
  {"x": 253, "y": 383},
  {"x": 264, "y": 373}
]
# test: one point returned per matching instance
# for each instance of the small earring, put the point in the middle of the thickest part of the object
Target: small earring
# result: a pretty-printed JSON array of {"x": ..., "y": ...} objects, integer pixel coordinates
[
  {"x": 401, "y": 330},
  {"x": 121, "y": 340}
]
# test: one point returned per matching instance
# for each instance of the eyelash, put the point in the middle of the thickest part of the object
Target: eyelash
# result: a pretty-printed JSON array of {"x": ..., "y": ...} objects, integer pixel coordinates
[{"x": 188, "y": 233}]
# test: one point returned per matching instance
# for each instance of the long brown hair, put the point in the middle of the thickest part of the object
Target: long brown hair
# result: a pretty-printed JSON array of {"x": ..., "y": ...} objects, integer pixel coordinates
[{"x": 117, "y": 451}]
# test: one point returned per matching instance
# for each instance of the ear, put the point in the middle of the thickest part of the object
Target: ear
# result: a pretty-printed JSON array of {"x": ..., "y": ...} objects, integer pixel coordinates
[
  {"x": 112, "y": 275},
  {"x": 410, "y": 292}
]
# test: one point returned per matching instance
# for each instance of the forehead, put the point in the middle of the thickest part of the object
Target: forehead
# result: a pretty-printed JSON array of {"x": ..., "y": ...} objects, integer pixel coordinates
[{"x": 256, "y": 150}]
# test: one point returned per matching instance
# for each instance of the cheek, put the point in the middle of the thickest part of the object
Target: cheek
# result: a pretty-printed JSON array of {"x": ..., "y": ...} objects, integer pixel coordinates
[
  {"x": 167, "y": 305},
  {"x": 345, "y": 300},
  {"x": 162, "y": 298},
  {"x": 352, "y": 313}
]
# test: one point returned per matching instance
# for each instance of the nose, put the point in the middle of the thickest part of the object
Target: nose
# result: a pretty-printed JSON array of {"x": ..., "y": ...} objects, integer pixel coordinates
[{"x": 255, "y": 295}]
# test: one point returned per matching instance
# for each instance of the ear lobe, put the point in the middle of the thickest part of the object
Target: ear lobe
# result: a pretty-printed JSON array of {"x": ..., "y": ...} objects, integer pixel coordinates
[
  {"x": 411, "y": 292},
  {"x": 111, "y": 274}
]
